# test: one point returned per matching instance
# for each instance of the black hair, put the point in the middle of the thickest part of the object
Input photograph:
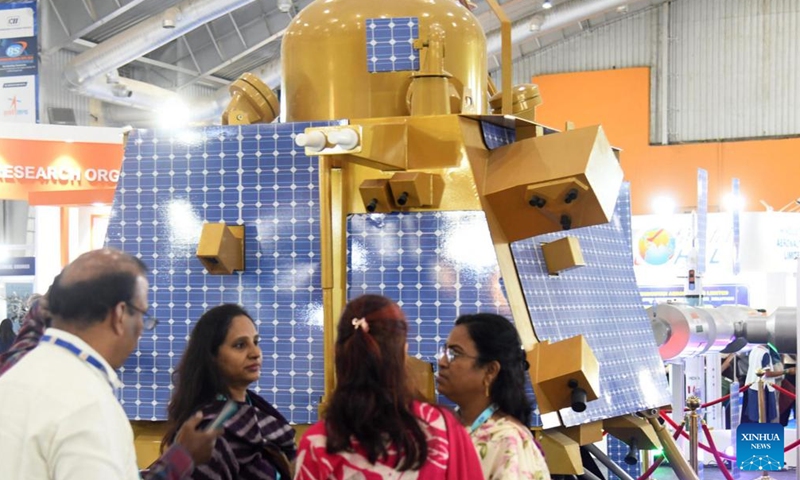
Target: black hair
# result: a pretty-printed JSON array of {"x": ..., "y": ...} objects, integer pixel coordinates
[
  {"x": 88, "y": 301},
  {"x": 198, "y": 379},
  {"x": 496, "y": 339},
  {"x": 7, "y": 334}
]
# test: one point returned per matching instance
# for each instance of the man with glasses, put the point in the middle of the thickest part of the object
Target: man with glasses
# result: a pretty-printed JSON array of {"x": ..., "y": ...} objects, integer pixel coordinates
[{"x": 58, "y": 406}]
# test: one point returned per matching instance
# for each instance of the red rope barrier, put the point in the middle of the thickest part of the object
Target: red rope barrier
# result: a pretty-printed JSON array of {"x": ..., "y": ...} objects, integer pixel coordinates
[
  {"x": 658, "y": 462},
  {"x": 652, "y": 469},
  {"x": 720, "y": 399},
  {"x": 716, "y": 453},
  {"x": 702, "y": 446},
  {"x": 784, "y": 391},
  {"x": 712, "y": 449},
  {"x": 792, "y": 445}
]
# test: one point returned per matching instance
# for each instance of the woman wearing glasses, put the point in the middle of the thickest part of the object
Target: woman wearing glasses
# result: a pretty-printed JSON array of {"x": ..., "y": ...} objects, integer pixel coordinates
[
  {"x": 373, "y": 426},
  {"x": 220, "y": 362},
  {"x": 482, "y": 369}
]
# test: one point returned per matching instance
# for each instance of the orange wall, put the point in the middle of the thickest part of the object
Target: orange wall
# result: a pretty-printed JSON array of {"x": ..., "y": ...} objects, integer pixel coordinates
[{"x": 768, "y": 170}]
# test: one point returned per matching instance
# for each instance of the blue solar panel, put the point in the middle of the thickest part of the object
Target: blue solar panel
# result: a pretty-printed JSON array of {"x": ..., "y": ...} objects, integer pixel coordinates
[
  {"x": 390, "y": 44},
  {"x": 600, "y": 301},
  {"x": 253, "y": 176},
  {"x": 422, "y": 261},
  {"x": 702, "y": 219},
  {"x": 495, "y": 136},
  {"x": 617, "y": 450}
]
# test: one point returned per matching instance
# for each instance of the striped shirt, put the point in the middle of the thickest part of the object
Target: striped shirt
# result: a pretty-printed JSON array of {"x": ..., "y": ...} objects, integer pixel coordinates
[{"x": 251, "y": 439}]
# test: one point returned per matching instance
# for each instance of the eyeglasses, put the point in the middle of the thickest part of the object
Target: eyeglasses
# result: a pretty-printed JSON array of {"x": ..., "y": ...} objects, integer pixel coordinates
[
  {"x": 450, "y": 354},
  {"x": 148, "y": 320}
]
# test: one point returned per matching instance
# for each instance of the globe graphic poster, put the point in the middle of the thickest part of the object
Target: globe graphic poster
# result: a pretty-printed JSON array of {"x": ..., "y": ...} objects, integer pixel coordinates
[{"x": 656, "y": 246}]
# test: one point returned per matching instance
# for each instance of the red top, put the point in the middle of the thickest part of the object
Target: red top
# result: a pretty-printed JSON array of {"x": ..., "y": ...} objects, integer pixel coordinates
[{"x": 451, "y": 454}]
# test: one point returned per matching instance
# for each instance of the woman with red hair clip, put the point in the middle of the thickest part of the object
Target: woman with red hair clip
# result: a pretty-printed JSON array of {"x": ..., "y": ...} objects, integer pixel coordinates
[{"x": 374, "y": 427}]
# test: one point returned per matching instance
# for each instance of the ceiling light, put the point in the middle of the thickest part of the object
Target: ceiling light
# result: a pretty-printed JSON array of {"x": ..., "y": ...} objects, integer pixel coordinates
[
  {"x": 733, "y": 202},
  {"x": 285, "y": 5},
  {"x": 536, "y": 23},
  {"x": 174, "y": 113},
  {"x": 121, "y": 90},
  {"x": 170, "y": 18},
  {"x": 547, "y": 4},
  {"x": 664, "y": 205},
  {"x": 622, "y": 9}
]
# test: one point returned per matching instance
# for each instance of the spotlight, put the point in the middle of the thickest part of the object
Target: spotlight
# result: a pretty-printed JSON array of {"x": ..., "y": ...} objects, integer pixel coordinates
[
  {"x": 547, "y": 4},
  {"x": 536, "y": 23},
  {"x": 121, "y": 90},
  {"x": 170, "y": 18},
  {"x": 733, "y": 202},
  {"x": 664, "y": 205},
  {"x": 174, "y": 113},
  {"x": 285, "y": 5}
]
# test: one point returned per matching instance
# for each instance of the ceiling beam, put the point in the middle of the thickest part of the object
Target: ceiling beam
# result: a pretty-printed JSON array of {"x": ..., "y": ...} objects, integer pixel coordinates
[
  {"x": 214, "y": 42},
  {"x": 166, "y": 66},
  {"x": 238, "y": 32},
  {"x": 236, "y": 58},
  {"x": 58, "y": 16},
  {"x": 94, "y": 26}
]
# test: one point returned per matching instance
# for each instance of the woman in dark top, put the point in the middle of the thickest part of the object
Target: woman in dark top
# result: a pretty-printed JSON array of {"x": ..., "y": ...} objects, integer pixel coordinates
[
  {"x": 220, "y": 362},
  {"x": 7, "y": 335}
]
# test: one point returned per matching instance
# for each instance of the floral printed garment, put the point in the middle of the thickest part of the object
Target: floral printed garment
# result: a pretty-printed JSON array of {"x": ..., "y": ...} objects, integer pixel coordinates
[
  {"x": 508, "y": 451},
  {"x": 315, "y": 463}
]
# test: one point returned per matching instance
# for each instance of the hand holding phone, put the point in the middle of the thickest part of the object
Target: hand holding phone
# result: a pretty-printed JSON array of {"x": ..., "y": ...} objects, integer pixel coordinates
[{"x": 227, "y": 412}]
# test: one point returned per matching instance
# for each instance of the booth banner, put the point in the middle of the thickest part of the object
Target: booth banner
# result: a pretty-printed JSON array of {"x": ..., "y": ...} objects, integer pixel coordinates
[
  {"x": 17, "y": 266},
  {"x": 59, "y": 164},
  {"x": 18, "y": 63},
  {"x": 19, "y": 97},
  {"x": 713, "y": 295},
  {"x": 770, "y": 242},
  {"x": 664, "y": 249}
]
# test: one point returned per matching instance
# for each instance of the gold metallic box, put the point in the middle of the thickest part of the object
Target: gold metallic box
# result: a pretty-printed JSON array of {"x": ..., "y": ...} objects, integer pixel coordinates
[
  {"x": 562, "y": 255},
  {"x": 630, "y": 427},
  {"x": 421, "y": 375},
  {"x": 553, "y": 182},
  {"x": 562, "y": 453},
  {"x": 221, "y": 248},
  {"x": 554, "y": 365}
]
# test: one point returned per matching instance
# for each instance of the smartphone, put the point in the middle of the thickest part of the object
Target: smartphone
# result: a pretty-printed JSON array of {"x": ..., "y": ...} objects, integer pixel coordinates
[{"x": 227, "y": 412}]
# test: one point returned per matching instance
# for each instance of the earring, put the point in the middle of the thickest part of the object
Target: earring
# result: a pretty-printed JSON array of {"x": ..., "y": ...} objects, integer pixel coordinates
[{"x": 486, "y": 386}]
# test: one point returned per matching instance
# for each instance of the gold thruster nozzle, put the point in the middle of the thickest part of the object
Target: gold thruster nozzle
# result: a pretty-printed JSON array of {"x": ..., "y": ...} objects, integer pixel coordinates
[{"x": 252, "y": 102}]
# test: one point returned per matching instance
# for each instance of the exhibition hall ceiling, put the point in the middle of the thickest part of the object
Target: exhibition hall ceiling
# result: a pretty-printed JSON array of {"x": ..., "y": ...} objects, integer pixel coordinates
[{"x": 245, "y": 39}]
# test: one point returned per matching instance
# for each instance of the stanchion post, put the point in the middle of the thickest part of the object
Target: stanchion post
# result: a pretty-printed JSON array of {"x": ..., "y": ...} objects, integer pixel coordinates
[
  {"x": 762, "y": 405},
  {"x": 693, "y": 403},
  {"x": 762, "y": 409}
]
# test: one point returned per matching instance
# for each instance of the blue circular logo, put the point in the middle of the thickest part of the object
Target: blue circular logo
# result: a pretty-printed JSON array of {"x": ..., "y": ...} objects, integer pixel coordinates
[{"x": 14, "y": 50}]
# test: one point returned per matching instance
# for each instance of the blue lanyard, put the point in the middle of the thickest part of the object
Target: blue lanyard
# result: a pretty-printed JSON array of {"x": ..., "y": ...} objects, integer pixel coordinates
[
  {"x": 88, "y": 358},
  {"x": 483, "y": 417}
]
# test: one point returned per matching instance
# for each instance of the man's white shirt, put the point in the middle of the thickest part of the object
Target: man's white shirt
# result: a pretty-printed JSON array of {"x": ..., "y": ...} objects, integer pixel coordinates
[{"x": 60, "y": 418}]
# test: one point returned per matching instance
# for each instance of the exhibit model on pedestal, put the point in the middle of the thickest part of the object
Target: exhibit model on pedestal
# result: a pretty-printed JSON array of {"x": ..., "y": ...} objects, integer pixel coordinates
[{"x": 398, "y": 166}]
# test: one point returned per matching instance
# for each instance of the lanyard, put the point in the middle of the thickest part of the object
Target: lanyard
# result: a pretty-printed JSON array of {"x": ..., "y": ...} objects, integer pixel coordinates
[
  {"x": 483, "y": 417},
  {"x": 88, "y": 358}
]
